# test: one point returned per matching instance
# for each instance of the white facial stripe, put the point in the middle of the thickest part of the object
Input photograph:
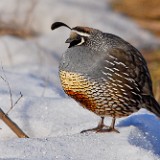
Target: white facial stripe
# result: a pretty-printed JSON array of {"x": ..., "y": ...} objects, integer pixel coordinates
[
  {"x": 82, "y": 41},
  {"x": 81, "y": 33}
]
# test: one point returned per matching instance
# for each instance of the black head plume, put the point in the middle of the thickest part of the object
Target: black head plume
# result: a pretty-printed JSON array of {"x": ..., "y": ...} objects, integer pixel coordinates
[{"x": 58, "y": 24}]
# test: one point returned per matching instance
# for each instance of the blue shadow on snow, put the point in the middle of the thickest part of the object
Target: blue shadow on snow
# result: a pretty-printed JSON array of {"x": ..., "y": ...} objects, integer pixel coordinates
[{"x": 147, "y": 134}]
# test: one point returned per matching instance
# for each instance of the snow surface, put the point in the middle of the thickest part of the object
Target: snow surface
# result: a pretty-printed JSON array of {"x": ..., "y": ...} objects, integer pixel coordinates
[{"x": 52, "y": 120}]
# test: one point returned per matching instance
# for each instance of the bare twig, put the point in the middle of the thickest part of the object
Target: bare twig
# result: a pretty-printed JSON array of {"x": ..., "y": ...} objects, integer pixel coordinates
[
  {"x": 13, "y": 126},
  {"x": 10, "y": 91},
  {"x": 21, "y": 95},
  {"x": 15, "y": 103},
  {"x": 9, "y": 88}
]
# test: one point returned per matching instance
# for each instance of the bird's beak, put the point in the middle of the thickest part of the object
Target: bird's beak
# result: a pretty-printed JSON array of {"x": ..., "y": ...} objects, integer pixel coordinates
[{"x": 69, "y": 40}]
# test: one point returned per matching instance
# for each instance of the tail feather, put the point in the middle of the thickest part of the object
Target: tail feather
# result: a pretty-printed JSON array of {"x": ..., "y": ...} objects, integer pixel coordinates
[{"x": 152, "y": 105}]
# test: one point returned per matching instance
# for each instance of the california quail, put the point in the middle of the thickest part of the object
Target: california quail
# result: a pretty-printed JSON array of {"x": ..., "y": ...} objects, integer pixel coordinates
[{"x": 106, "y": 75}]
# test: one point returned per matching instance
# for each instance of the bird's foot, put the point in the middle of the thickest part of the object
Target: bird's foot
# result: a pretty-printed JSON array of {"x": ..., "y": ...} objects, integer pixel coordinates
[
  {"x": 110, "y": 129},
  {"x": 101, "y": 129},
  {"x": 96, "y": 129}
]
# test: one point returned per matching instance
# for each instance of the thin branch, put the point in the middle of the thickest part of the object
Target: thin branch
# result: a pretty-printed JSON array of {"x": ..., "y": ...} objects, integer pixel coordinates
[
  {"x": 15, "y": 103},
  {"x": 13, "y": 126},
  {"x": 9, "y": 88},
  {"x": 21, "y": 95}
]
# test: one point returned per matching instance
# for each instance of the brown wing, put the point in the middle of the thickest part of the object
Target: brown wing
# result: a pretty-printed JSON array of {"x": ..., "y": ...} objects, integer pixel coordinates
[{"x": 126, "y": 69}]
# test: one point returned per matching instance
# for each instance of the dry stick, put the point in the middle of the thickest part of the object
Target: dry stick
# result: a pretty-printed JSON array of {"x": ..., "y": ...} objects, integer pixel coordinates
[{"x": 13, "y": 126}]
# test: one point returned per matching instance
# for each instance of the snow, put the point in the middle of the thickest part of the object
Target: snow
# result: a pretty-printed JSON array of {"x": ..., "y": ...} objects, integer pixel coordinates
[{"x": 51, "y": 119}]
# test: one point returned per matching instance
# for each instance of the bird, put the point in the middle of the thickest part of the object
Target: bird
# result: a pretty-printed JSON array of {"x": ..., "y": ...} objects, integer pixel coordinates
[{"x": 106, "y": 75}]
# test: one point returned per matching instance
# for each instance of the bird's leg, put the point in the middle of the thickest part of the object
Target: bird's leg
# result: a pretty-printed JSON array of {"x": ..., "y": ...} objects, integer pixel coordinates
[
  {"x": 98, "y": 128},
  {"x": 111, "y": 128},
  {"x": 102, "y": 127}
]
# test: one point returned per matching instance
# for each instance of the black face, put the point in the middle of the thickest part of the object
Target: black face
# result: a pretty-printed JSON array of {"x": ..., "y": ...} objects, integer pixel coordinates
[
  {"x": 74, "y": 43},
  {"x": 75, "y": 39}
]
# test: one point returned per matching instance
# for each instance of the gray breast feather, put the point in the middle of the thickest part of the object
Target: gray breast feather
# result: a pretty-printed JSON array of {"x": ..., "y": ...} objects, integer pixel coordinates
[{"x": 79, "y": 59}]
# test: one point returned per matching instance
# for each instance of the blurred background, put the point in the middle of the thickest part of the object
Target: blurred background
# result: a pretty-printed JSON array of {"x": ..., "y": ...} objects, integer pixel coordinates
[
  {"x": 146, "y": 14},
  {"x": 28, "y": 46}
]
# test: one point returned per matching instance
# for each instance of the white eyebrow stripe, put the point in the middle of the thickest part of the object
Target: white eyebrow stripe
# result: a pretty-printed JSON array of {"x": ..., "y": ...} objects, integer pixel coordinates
[{"x": 81, "y": 33}]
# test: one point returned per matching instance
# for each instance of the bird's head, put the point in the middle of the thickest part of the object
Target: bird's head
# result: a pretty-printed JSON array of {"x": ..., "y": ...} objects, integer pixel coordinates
[{"x": 78, "y": 36}]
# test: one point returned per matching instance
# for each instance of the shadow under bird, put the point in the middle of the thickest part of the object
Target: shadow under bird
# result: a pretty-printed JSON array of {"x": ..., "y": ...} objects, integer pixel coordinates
[{"x": 106, "y": 75}]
